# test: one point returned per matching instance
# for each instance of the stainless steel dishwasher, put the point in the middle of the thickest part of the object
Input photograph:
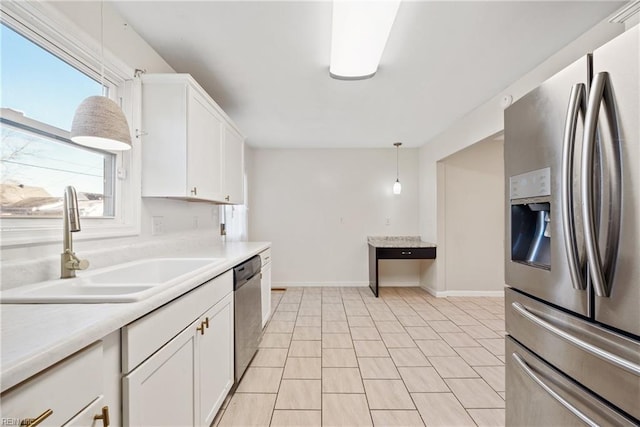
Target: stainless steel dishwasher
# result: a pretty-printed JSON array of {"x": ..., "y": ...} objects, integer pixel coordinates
[{"x": 248, "y": 309}]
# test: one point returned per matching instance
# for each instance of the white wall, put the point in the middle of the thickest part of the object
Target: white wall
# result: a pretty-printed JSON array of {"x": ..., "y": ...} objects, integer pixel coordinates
[
  {"x": 484, "y": 121},
  {"x": 318, "y": 206},
  {"x": 179, "y": 218},
  {"x": 471, "y": 185}
]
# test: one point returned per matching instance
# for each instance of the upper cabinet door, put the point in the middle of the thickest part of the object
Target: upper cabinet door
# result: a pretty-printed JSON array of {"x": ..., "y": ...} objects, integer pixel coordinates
[
  {"x": 204, "y": 149},
  {"x": 233, "y": 166}
]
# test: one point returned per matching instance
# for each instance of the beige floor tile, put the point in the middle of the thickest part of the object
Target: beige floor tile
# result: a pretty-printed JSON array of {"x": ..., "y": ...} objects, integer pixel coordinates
[
  {"x": 396, "y": 418},
  {"x": 341, "y": 380},
  {"x": 331, "y": 300},
  {"x": 422, "y": 380},
  {"x": 367, "y": 333},
  {"x": 494, "y": 345},
  {"x": 309, "y": 321},
  {"x": 387, "y": 394},
  {"x": 463, "y": 319},
  {"x": 435, "y": 348},
  {"x": 431, "y": 314},
  {"x": 307, "y": 333},
  {"x": 503, "y": 395},
  {"x": 452, "y": 367},
  {"x": 334, "y": 316},
  {"x": 303, "y": 368},
  {"x": 260, "y": 380},
  {"x": 299, "y": 394},
  {"x": 275, "y": 341},
  {"x": 378, "y": 368},
  {"x": 336, "y": 341},
  {"x": 479, "y": 331},
  {"x": 400, "y": 340},
  {"x": 422, "y": 333},
  {"x": 339, "y": 358},
  {"x": 287, "y": 307},
  {"x": 441, "y": 410},
  {"x": 332, "y": 307},
  {"x": 261, "y": 406},
  {"x": 413, "y": 320},
  {"x": 310, "y": 311},
  {"x": 493, "y": 375},
  {"x": 488, "y": 417},
  {"x": 280, "y": 326},
  {"x": 357, "y": 311},
  {"x": 345, "y": 410},
  {"x": 305, "y": 349},
  {"x": 382, "y": 315},
  {"x": 408, "y": 357},
  {"x": 474, "y": 393},
  {"x": 444, "y": 326},
  {"x": 289, "y": 418},
  {"x": 360, "y": 321},
  {"x": 389, "y": 327},
  {"x": 494, "y": 324},
  {"x": 459, "y": 339},
  {"x": 478, "y": 356},
  {"x": 270, "y": 358},
  {"x": 480, "y": 313},
  {"x": 288, "y": 316},
  {"x": 370, "y": 349},
  {"x": 339, "y": 327}
]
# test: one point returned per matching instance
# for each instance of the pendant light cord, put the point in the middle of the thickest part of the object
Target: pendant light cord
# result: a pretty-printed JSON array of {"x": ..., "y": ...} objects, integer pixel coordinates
[{"x": 397, "y": 163}]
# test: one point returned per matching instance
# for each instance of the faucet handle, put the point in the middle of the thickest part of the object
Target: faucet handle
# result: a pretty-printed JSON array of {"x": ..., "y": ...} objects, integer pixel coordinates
[
  {"x": 82, "y": 264},
  {"x": 75, "y": 263}
]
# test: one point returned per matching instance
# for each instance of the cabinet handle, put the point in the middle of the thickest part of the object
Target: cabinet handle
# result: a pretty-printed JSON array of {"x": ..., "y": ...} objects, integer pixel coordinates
[
  {"x": 201, "y": 328},
  {"x": 194, "y": 191},
  {"x": 32, "y": 422},
  {"x": 406, "y": 253},
  {"x": 206, "y": 322},
  {"x": 227, "y": 198},
  {"x": 104, "y": 416}
]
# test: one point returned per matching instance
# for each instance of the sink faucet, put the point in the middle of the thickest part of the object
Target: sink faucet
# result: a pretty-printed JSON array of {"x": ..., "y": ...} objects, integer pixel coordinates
[{"x": 69, "y": 262}]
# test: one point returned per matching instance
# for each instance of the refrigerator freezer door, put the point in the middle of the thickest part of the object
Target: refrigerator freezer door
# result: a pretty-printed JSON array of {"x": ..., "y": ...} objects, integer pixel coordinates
[
  {"x": 620, "y": 59},
  {"x": 534, "y": 136},
  {"x": 539, "y": 395},
  {"x": 607, "y": 363}
]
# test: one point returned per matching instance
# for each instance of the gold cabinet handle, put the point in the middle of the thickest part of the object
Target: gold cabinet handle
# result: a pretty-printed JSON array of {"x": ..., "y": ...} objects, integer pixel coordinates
[
  {"x": 32, "y": 422},
  {"x": 104, "y": 416},
  {"x": 201, "y": 328},
  {"x": 206, "y": 322}
]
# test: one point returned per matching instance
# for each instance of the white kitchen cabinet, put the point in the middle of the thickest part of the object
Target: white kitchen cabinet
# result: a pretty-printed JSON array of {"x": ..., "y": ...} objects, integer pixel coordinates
[
  {"x": 81, "y": 378},
  {"x": 215, "y": 346},
  {"x": 265, "y": 284},
  {"x": 178, "y": 359},
  {"x": 190, "y": 148}
]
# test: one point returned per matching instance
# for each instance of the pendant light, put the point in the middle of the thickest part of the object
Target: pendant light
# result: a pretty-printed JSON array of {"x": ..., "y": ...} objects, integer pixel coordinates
[
  {"x": 397, "y": 187},
  {"x": 99, "y": 122}
]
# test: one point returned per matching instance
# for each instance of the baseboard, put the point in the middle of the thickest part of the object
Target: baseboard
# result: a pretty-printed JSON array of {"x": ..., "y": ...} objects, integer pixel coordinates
[
  {"x": 444, "y": 294},
  {"x": 319, "y": 284}
]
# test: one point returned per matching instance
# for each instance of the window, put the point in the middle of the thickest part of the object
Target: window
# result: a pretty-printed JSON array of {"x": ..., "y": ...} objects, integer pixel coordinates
[
  {"x": 37, "y": 161},
  {"x": 48, "y": 68}
]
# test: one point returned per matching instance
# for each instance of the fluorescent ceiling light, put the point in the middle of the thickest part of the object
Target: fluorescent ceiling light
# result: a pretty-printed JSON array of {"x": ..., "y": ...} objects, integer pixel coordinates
[{"x": 358, "y": 37}]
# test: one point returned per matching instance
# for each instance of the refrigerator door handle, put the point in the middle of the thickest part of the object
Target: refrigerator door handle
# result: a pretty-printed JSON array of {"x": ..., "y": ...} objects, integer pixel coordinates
[
  {"x": 589, "y": 348},
  {"x": 575, "y": 411},
  {"x": 601, "y": 93},
  {"x": 577, "y": 104}
]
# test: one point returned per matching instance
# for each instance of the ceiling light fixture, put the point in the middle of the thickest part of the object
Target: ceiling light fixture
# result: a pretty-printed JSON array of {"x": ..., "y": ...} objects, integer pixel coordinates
[
  {"x": 397, "y": 187},
  {"x": 359, "y": 34},
  {"x": 99, "y": 122}
]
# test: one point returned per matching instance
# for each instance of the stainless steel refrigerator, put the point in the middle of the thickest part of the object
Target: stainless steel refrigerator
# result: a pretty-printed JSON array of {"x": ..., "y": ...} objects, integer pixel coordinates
[{"x": 572, "y": 164}]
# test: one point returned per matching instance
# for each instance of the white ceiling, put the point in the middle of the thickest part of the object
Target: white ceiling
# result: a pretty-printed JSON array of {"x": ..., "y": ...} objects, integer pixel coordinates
[{"x": 267, "y": 63}]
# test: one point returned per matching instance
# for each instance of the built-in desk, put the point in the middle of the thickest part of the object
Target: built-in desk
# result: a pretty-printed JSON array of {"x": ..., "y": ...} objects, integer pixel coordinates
[{"x": 395, "y": 247}]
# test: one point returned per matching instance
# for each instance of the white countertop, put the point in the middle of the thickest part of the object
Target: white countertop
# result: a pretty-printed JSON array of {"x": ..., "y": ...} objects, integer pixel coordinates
[
  {"x": 398, "y": 242},
  {"x": 36, "y": 336}
]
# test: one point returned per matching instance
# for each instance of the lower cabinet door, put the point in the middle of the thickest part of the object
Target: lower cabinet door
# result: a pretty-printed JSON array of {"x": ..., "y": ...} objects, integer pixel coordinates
[
  {"x": 162, "y": 390},
  {"x": 266, "y": 293},
  {"x": 215, "y": 347}
]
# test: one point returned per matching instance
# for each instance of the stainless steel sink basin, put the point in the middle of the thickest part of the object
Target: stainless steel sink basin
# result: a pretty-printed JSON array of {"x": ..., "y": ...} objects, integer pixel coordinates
[{"x": 128, "y": 282}]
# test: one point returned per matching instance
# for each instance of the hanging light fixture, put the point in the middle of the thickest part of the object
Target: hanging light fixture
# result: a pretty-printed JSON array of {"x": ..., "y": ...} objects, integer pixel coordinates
[
  {"x": 397, "y": 187},
  {"x": 99, "y": 122}
]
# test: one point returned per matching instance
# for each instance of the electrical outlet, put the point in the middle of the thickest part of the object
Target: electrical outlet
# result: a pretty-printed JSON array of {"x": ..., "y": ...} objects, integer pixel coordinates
[{"x": 157, "y": 225}]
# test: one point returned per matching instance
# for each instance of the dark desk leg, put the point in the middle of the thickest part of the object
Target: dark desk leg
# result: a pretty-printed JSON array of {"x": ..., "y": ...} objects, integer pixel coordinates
[{"x": 373, "y": 270}]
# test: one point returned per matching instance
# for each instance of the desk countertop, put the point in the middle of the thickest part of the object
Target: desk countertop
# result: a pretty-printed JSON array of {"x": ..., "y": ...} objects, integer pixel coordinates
[{"x": 398, "y": 242}]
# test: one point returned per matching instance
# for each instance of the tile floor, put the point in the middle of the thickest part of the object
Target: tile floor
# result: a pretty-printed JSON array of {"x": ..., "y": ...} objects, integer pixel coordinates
[{"x": 341, "y": 357}]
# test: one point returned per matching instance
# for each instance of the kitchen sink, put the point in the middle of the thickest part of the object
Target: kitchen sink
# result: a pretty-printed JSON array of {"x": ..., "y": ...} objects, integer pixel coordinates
[{"x": 129, "y": 282}]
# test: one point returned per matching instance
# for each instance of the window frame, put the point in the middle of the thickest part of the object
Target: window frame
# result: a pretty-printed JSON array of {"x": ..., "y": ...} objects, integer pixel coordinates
[{"x": 44, "y": 25}]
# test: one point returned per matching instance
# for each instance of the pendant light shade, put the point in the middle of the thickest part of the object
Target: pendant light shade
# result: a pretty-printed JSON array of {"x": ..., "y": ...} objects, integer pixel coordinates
[
  {"x": 397, "y": 187},
  {"x": 100, "y": 123}
]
